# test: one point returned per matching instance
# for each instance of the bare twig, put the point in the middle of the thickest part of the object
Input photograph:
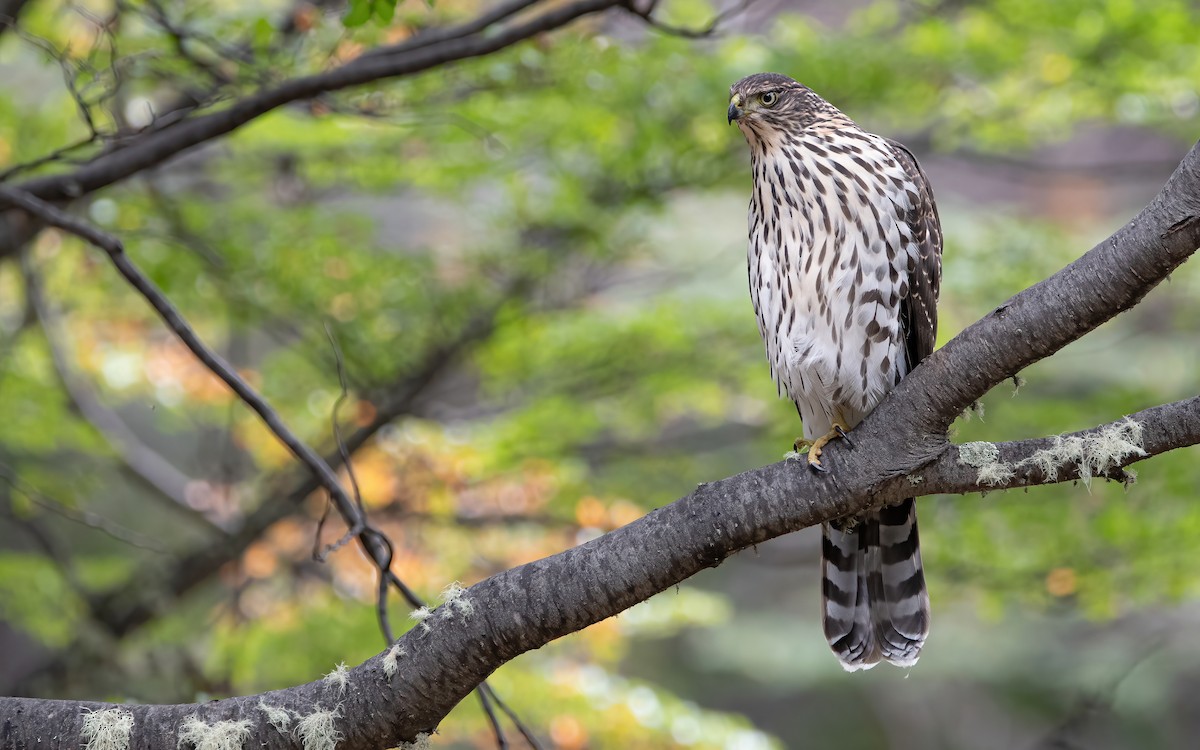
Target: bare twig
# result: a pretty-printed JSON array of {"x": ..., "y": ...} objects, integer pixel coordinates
[
  {"x": 384, "y": 563},
  {"x": 525, "y": 731},
  {"x": 179, "y": 231},
  {"x": 489, "y": 519},
  {"x": 138, "y": 600},
  {"x": 709, "y": 30},
  {"x": 70, "y": 76},
  {"x": 115, "y": 250},
  {"x": 55, "y": 156},
  {"x": 181, "y": 36},
  {"x": 1096, "y": 702},
  {"x": 436, "y": 36},
  {"x": 493, "y": 720},
  {"x": 381, "y": 589},
  {"x": 320, "y": 554}
]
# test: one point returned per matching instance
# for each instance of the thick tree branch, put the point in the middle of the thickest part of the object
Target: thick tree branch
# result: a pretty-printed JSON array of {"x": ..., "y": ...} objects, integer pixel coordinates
[
  {"x": 900, "y": 451},
  {"x": 524, "y": 608},
  {"x": 1109, "y": 279}
]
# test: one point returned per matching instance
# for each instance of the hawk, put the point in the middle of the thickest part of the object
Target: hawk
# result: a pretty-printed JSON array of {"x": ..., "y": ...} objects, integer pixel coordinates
[{"x": 845, "y": 263}]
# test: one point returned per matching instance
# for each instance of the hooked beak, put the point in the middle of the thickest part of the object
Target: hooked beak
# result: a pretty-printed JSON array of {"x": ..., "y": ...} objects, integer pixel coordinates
[{"x": 735, "y": 108}]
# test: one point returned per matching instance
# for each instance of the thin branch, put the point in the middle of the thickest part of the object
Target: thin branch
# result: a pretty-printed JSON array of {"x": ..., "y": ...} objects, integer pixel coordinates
[
  {"x": 180, "y": 233},
  {"x": 54, "y": 216},
  {"x": 181, "y": 36},
  {"x": 704, "y": 32},
  {"x": 381, "y": 591},
  {"x": 320, "y": 554},
  {"x": 383, "y": 563},
  {"x": 1098, "y": 701},
  {"x": 70, "y": 75},
  {"x": 486, "y": 703},
  {"x": 57, "y": 155},
  {"x": 525, "y": 731},
  {"x": 152, "y": 148},
  {"x": 488, "y": 519},
  {"x": 139, "y": 599},
  {"x": 435, "y": 36}
]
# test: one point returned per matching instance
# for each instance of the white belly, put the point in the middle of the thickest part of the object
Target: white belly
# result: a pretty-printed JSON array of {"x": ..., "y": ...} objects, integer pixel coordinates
[{"x": 827, "y": 283}]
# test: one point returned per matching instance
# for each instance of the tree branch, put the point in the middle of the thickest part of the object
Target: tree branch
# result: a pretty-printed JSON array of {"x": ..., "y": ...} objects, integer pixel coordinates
[
  {"x": 1078, "y": 455},
  {"x": 704, "y": 32},
  {"x": 80, "y": 516},
  {"x": 49, "y": 214},
  {"x": 375, "y": 544},
  {"x": 1109, "y": 279},
  {"x": 482, "y": 22},
  {"x": 901, "y": 442},
  {"x": 139, "y": 600},
  {"x": 154, "y": 147}
]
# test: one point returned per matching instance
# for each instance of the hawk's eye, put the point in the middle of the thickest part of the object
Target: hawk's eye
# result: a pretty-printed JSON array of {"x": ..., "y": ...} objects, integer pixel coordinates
[{"x": 768, "y": 99}]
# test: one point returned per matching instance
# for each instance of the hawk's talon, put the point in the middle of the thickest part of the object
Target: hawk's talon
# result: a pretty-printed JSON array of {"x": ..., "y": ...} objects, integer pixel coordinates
[
  {"x": 814, "y": 454},
  {"x": 816, "y": 446}
]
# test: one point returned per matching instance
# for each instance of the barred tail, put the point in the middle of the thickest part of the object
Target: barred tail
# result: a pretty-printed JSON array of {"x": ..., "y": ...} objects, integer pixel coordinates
[{"x": 875, "y": 602}]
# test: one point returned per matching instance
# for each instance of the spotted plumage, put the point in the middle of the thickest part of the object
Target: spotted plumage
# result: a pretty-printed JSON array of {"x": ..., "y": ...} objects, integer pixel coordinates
[{"x": 844, "y": 266}]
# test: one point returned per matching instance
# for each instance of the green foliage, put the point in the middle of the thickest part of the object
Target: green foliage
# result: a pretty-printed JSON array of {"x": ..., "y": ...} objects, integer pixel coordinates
[
  {"x": 359, "y": 12},
  {"x": 1000, "y": 74},
  {"x": 35, "y": 598},
  {"x": 294, "y": 646},
  {"x": 596, "y": 174}
]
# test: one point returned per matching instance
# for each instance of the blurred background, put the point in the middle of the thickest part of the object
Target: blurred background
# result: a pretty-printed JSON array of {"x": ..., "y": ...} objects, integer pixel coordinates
[{"x": 533, "y": 264}]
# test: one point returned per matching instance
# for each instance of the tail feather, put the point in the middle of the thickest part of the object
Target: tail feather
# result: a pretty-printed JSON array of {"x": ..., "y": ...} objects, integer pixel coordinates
[
  {"x": 875, "y": 603},
  {"x": 844, "y": 588}
]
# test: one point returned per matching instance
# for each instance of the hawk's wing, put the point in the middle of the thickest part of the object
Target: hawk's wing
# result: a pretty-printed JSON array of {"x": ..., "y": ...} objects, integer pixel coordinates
[{"x": 918, "y": 311}]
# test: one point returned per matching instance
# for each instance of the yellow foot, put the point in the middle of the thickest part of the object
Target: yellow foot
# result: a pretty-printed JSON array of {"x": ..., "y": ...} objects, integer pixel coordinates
[{"x": 814, "y": 451}]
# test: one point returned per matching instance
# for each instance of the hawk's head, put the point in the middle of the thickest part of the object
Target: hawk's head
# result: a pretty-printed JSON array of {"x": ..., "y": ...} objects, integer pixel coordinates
[{"x": 767, "y": 102}]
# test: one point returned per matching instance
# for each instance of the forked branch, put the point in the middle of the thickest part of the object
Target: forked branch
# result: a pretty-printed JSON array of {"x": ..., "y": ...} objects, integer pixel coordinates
[{"x": 900, "y": 451}]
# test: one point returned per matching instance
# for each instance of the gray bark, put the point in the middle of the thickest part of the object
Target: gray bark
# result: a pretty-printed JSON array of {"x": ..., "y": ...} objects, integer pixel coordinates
[{"x": 899, "y": 451}]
